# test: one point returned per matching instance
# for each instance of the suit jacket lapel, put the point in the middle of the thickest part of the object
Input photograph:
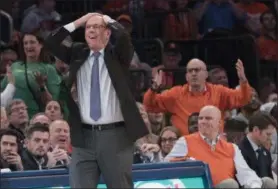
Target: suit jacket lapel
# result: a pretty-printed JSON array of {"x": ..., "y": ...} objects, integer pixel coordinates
[
  {"x": 251, "y": 153},
  {"x": 78, "y": 61}
]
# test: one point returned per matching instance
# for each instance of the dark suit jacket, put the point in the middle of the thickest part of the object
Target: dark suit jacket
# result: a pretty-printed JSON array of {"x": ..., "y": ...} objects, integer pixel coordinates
[
  {"x": 251, "y": 159},
  {"x": 117, "y": 58}
]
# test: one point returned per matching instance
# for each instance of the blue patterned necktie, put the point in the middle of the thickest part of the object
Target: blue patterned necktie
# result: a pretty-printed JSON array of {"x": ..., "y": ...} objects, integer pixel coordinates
[{"x": 95, "y": 106}]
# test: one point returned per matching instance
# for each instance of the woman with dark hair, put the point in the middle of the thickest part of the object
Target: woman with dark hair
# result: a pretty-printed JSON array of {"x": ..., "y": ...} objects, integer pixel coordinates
[{"x": 37, "y": 82}]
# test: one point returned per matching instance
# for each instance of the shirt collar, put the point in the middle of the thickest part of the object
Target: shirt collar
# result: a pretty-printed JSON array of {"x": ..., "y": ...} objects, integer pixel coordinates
[
  {"x": 213, "y": 143},
  {"x": 101, "y": 52},
  {"x": 190, "y": 89},
  {"x": 253, "y": 144}
]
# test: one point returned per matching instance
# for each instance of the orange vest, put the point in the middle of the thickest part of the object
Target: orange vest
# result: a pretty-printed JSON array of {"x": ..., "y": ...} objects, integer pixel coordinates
[{"x": 220, "y": 160}]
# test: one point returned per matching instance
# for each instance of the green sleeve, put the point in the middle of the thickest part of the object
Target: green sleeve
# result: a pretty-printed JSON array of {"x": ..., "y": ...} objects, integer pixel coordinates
[{"x": 53, "y": 82}]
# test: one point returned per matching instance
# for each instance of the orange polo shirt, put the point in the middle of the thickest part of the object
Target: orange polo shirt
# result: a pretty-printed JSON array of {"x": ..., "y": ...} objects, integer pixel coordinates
[{"x": 181, "y": 103}]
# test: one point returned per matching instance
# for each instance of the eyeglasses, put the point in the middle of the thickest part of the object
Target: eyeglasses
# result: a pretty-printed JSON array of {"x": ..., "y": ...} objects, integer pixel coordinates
[
  {"x": 170, "y": 140},
  {"x": 18, "y": 109},
  {"x": 197, "y": 70},
  {"x": 95, "y": 27}
]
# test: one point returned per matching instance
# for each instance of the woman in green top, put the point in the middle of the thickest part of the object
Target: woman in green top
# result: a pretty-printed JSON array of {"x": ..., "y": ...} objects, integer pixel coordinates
[{"x": 36, "y": 81}]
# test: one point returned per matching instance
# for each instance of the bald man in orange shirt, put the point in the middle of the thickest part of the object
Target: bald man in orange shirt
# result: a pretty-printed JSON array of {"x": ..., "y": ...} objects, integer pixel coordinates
[{"x": 182, "y": 101}]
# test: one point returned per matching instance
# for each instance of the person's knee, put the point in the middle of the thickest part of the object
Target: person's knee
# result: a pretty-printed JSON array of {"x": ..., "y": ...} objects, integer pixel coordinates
[
  {"x": 268, "y": 183},
  {"x": 228, "y": 183}
]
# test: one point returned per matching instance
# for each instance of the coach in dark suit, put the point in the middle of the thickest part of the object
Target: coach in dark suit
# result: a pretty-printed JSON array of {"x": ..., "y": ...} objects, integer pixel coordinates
[
  {"x": 105, "y": 120},
  {"x": 261, "y": 128}
]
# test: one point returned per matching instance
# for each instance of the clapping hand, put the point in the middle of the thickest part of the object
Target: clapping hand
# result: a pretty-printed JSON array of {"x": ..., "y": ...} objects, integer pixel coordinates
[
  {"x": 40, "y": 79},
  {"x": 150, "y": 148},
  {"x": 57, "y": 155}
]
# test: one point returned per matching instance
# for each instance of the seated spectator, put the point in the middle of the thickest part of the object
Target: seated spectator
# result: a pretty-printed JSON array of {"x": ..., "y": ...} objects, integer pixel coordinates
[
  {"x": 170, "y": 60},
  {"x": 116, "y": 6},
  {"x": 248, "y": 110},
  {"x": 268, "y": 41},
  {"x": 42, "y": 15},
  {"x": 126, "y": 21},
  {"x": 235, "y": 130},
  {"x": 254, "y": 10},
  {"x": 63, "y": 71},
  {"x": 53, "y": 110},
  {"x": 4, "y": 119},
  {"x": 272, "y": 97},
  {"x": 18, "y": 117},
  {"x": 209, "y": 147},
  {"x": 59, "y": 135},
  {"x": 261, "y": 128},
  {"x": 272, "y": 108},
  {"x": 182, "y": 101},
  {"x": 36, "y": 156},
  {"x": 266, "y": 87},
  {"x": 216, "y": 14},
  {"x": 7, "y": 57},
  {"x": 157, "y": 121},
  {"x": 8, "y": 94},
  {"x": 193, "y": 123},
  {"x": 36, "y": 81},
  {"x": 9, "y": 148},
  {"x": 180, "y": 25},
  {"x": 41, "y": 118},
  {"x": 218, "y": 76},
  {"x": 150, "y": 138},
  {"x": 157, "y": 152}
]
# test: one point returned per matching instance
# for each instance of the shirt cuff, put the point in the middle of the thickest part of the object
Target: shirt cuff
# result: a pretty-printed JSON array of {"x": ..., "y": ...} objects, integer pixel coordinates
[
  {"x": 70, "y": 27},
  {"x": 11, "y": 87},
  {"x": 108, "y": 19},
  {"x": 255, "y": 185}
]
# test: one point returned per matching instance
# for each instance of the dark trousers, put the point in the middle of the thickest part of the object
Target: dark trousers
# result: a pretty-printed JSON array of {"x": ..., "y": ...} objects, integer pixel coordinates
[{"x": 108, "y": 152}]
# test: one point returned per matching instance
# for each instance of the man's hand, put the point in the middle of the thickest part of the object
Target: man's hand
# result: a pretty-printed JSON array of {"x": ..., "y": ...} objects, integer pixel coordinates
[
  {"x": 157, "y": 80},
  {"x": 61, "y": 155},
  {"x": 15, "y": 159},
  {"x": 150, "y": 148},
  {"x": 240, "y": 71},
  {"x": 10, "y": 75},
  {"x": 40, "y": 79},
  {"x": 107, "y": 19},
  {"x": 82, "y": 21}
]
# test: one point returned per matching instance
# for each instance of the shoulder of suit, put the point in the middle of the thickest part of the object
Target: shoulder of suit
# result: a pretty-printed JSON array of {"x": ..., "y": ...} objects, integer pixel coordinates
[{"x": 79, "y": 45}]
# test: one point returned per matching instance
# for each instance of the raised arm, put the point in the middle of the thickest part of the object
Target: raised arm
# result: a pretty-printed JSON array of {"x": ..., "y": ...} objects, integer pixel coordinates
[
  {"x": 123, "y": 46},
  {"x": 54, "y": 41},
  {"x": 164, "y": 102},
  {"x": 235, "y": 98}
]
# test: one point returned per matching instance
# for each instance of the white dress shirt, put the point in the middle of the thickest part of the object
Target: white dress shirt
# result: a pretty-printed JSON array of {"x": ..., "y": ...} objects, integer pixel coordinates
[
  {"x": 245, "y": 176},
  {"x": 254, "y": 145},
  {"x": 110, "y": 105},
  {"x": 7, "y": 95}
]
